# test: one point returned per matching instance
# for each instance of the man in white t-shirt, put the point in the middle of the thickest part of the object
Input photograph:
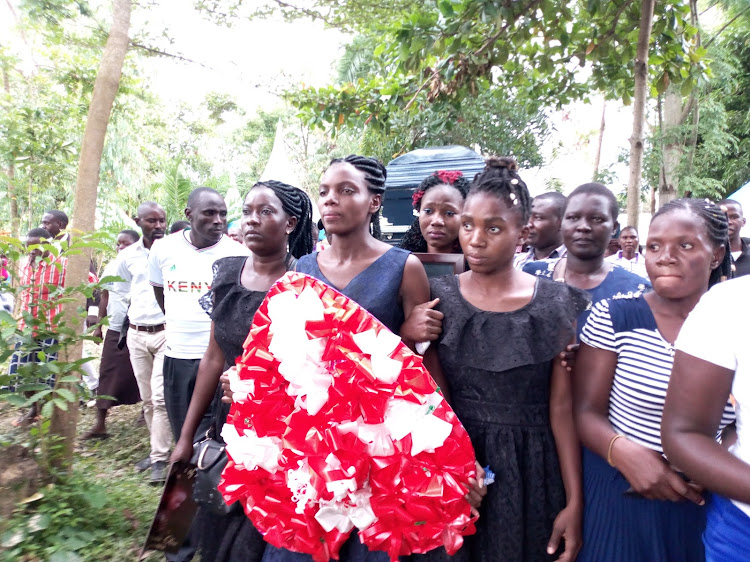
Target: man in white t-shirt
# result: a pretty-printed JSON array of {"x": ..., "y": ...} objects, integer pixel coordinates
[
  {"x": 181, "y": 272},
  {"x": 145, "y": 336},
  {"x": 712, "y": 360},
  {"x": 628, "y": 256}
]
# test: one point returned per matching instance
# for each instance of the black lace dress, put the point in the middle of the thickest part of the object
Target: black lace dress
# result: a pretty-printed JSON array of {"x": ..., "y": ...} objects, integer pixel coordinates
[
  {"x": 498, "y": 366},
  {"x": 231, "y": 538}
]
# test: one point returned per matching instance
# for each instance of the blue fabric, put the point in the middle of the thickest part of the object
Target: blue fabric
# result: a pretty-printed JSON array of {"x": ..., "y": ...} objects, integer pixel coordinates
[
  {"x": 619, "y": 281},
  {"x": 23, "y": 355},
  {"x": 619, "y": 527},
  {"x": 375, "y": 289},
  {"x": 727, "y": 535}
]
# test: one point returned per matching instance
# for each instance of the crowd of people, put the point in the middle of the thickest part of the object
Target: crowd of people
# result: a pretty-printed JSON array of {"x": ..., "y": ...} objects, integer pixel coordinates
[{"x": 603, "y": 387}]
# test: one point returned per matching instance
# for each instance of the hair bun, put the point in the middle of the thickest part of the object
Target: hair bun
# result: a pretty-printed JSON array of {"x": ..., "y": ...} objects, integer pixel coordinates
[{"x": 502, "y": 162}]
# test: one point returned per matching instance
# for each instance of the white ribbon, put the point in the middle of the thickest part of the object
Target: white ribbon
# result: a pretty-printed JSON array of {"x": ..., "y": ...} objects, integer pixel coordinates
[
  {"x": 300, "y": 357},
  {"x": 379, "y": 346},
  {"x": 357, "y": 512},
  {"x": 427, "y": 431},
  {"x": 241, "y": 389},
  {"x": 252, "y": 451}
]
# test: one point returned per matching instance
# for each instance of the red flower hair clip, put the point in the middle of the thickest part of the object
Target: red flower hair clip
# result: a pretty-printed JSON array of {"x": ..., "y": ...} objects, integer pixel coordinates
[
  {"x": 449, "y": 177},
  {"x": 416, "y": 198}
]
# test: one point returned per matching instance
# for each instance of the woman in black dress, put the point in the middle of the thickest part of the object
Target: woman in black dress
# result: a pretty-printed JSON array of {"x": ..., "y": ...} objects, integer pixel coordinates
[
  {"x": 275, "y": 216},
  {"x": 502, "y": 333}
]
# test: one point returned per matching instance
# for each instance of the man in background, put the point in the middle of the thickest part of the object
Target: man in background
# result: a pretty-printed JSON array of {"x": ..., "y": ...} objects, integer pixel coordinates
[
  {"x": 146, "y": 336},
  {"x": 740, "y": 247},
  {"x": 181, "y": 272},
  {"x": 41, "y": 276},
  {"x": 545, "y": 237},
  {"x": 629, "y": 255}
]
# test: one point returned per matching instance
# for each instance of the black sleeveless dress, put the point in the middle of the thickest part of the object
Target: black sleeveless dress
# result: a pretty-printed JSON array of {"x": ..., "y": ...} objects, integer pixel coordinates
[
  {"x": 231, "y": 538},
  {"x": 498, "y": 366}
]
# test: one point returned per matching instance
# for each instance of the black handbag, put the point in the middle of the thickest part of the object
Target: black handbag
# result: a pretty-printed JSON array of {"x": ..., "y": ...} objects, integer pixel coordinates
[{"x": 210, "y": 458}]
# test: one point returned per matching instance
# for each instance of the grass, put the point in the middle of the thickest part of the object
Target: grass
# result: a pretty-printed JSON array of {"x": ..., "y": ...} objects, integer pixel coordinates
[{"x": 102, "y": 512}]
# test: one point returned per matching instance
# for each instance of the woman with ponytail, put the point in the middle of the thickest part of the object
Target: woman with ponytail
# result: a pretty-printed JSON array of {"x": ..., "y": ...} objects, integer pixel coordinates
[
  {"x": 437, "y": 204},
  {"x": 276, "y": 226},
  {"x": 638, "y": 505}
]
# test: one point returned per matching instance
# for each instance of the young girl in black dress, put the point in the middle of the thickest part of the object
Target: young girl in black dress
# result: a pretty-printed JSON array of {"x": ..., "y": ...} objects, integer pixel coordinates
[{"x": 498, "y": 354}]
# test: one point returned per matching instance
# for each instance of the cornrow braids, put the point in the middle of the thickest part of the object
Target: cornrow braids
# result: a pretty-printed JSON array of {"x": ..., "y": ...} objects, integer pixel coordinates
[
  {"x": 500, "y": 178},
  {"x": 295, "y": 203},
  {"x": 715, "y": 220},
  {"x": 413, "y": 239},
  {"x": 375, "y": 174}
]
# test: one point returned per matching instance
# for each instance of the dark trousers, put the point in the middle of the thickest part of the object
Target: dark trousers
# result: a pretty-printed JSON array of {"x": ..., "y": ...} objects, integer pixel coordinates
[{"x": 179, "y": 382}]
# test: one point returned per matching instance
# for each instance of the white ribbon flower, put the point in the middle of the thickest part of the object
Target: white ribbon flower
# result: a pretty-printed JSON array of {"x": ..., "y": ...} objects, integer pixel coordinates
[
  {"x": 241, "y": 389},
  {"x": 376, "y": 436},
  {"x": 345, "y": 515},
  {"x": 379, "y": 346},
  {"x": 252, "y": 451},
  {"x": 298, "y": 481},
  {"x": 427, "y": 431},
  {"x": 299, "y": 356}
]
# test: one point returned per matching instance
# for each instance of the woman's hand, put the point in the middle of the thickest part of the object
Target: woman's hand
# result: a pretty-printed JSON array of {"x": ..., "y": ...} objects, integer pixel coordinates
[
  {"x": 650, "y": 475},
  {"x": 227, "y": 398},
  {"x": 183, "y": 451},
  {"x": 568, "y": 357},
  {"x": 567, "y": 526},
  {"x": 424, "y": 323},
  {"x": 477, "y": 491}
]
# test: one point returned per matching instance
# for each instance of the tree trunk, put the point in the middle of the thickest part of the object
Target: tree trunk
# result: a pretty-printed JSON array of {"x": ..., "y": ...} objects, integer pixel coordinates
[
  {"x": 598, "y": 157},
  {"x": 639, "y": 111},
  {"x": 63, "y": 424},
  {"x": 672, "y": 151},
  {"x": 15, "y": 219}
]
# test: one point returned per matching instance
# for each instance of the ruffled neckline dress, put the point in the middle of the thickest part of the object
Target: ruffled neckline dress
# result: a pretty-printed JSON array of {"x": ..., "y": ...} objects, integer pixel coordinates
[{"x": 498, "y": 366}]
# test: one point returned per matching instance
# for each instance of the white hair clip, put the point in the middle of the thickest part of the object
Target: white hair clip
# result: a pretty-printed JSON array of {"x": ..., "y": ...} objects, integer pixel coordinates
[{"x": 514, "y": 181}]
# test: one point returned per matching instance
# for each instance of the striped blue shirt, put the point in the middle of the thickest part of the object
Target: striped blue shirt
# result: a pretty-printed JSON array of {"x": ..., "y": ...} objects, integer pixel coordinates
[{"x": 626, "y": 326}]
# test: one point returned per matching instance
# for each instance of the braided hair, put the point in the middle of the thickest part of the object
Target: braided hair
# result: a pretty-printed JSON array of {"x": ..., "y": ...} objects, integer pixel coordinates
[
  {"x": 715, "y": 220},
  {"x": 375, "y": 175},
  {"x": 413, "y": 239},
  {"x": 500, "y": 178},
  {"x": 295, "y": 203}
]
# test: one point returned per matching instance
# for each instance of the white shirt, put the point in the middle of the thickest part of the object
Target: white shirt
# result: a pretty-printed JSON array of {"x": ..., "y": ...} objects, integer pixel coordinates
[
  {"x": 714, "y": 335},
  {"x": 636, "y": 265},
  {"x": 133, "y": 268},
  {"x": 186, "y": 273},
  {"x": 117, "y": 304}
]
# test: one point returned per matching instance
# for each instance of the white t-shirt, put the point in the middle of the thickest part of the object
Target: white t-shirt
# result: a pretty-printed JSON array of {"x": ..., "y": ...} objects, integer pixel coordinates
[
  {"x": 186, "y": 273},
  {"x": 717, "y": 331},
  {"x": 117, "y": 304}
]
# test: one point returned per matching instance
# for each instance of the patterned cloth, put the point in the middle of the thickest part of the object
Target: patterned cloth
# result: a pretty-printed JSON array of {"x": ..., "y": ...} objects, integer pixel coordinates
[
  {"x": 618, "y": 281},
  {"x": 41, "y": 278},
  {"x": 626, "y": 326},
  {"x": 27, "y": 356}
]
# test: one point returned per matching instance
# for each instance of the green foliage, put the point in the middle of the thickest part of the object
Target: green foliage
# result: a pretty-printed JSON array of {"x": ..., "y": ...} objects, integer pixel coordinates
[
  {"x": 30, "y": 387},
  {"x": 451, "y": 51},
  {"x": 81, "y": 518}
]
